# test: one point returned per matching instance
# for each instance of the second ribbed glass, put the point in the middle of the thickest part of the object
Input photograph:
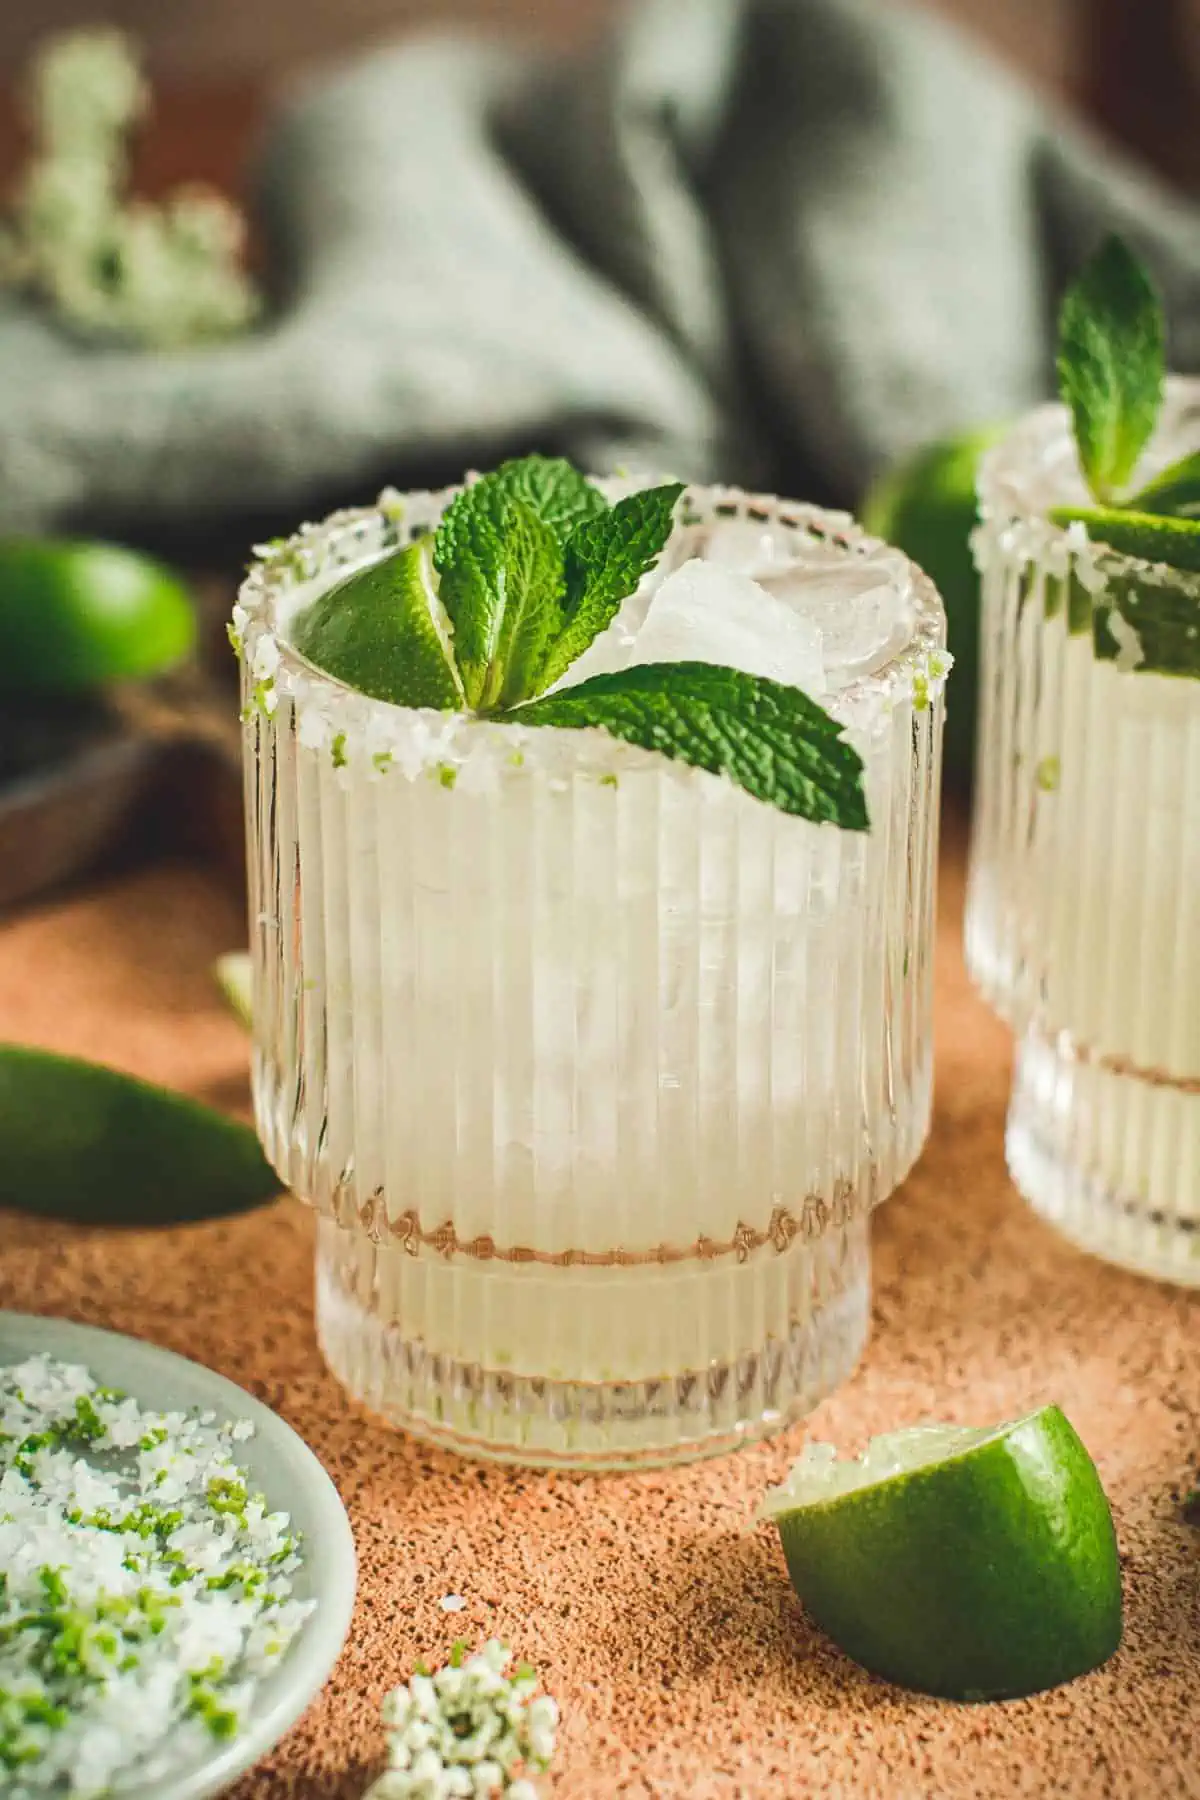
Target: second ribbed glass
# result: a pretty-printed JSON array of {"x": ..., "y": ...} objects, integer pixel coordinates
[
  {"x": 593, "y": 1066},
  {"x": 1083, "y": 922}
]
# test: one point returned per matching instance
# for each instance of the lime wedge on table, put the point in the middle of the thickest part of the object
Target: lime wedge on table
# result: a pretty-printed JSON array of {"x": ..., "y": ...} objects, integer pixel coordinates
[
  {"x": 978, "y": 1565},
  {"x": 383, "y": 631},
  {"x": 78, "y": 1141},
  {"x": 77, "y": 615}
]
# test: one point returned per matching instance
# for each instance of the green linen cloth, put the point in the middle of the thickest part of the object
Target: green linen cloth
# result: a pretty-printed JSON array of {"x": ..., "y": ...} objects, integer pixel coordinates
[{"x": 769, "y": 240}]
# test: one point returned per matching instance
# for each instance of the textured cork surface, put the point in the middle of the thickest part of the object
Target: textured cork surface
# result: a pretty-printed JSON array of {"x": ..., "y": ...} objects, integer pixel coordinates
[{"x": 660, "y": 1614}]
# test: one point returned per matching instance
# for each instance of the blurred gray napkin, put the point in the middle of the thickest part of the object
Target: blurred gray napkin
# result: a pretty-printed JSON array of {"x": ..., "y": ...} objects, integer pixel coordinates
[{"x": 770, "y": 240}]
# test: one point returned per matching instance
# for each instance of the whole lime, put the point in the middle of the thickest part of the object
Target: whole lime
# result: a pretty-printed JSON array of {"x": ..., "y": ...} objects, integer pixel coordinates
[
  {"x": 74, "y": 615},
  {"x": 925, "y": 505}
]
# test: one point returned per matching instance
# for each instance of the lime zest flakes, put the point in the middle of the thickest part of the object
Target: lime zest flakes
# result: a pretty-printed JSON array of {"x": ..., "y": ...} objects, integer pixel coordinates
[
  {"x": 1048, "y": 774},
  {"x": 151, "y": 1546}
]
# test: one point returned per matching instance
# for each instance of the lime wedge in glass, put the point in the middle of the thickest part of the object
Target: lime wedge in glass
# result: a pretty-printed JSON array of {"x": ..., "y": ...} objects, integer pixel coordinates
[
  {"x": 79, "y": 1141},
  {"x": 383, "y": 630},
  {"x": 977, "y": 1565},
  {"x": 233, "y": 977},
  {"x": 75, "y": 615}
]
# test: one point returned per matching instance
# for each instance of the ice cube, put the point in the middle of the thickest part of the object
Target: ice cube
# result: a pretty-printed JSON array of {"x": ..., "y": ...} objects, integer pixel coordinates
[
  {"x": 705, "y": 613},
  {"x": 612, "y": 649},
  {"x": 751, "y": 547},
  {"x": 860, "y": 603}
]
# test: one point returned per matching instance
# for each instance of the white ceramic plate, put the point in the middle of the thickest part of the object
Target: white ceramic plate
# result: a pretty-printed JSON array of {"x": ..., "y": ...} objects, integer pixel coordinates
[{"x": 292, "y": 1480}]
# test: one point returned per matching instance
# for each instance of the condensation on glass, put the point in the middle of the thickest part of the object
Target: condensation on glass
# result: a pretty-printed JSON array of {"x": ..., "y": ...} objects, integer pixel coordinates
[
  {"x": 592, "y": 1066},
  {"x": 1083, "y": 913}
]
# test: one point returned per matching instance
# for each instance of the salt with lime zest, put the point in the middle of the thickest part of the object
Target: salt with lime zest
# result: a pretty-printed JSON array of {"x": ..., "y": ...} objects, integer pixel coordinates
[{"x": 144, "y": 1588}]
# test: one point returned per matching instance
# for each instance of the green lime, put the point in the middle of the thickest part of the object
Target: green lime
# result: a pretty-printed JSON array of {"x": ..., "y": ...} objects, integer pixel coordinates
[
  {"x": 78, "y": 1141},
  {"x": 1175, "y": 542},
  {"x": 75, "y": 615},
  {"x": 383, "y": 631},
  {"x": 926, "y": 506},
  {"x": 233, "y": 977},
  {"x": 978, "y": 1565}
]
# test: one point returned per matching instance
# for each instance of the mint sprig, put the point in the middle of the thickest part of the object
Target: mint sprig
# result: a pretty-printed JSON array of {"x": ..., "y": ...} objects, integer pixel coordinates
[
  {"x": 482, "y": 550},
  {"x": 771, "y": 740},
  {"x": 1111, "y": 362},
  {"x": 527, "y": 566},
  {"x": 607, "y": 556},
  {"x": 1111, "y": 365}
]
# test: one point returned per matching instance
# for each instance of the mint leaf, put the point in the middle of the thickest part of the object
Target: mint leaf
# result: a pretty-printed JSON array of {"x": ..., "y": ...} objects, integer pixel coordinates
[
  {"x": 1111, "y": 358},
  {"x": 469, "y": 552},
  {"x": 559, "y": 495},
  {"x": 1175, "y": 542},
  {"x": 382, "y": 631},
  {"x": 1175, "y": 492},
  {"x": 772, "y": 740},
  {"x": 606, "y": 558},
  {"x": 532, "y": 616}
]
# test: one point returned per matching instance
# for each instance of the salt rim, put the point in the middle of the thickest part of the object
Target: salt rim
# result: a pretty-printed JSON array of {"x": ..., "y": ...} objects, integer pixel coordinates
[
  {"x": 1035, "y": 466},
  {"x": 380, "y": 737},
  {"x": 135, "y": 1617}
]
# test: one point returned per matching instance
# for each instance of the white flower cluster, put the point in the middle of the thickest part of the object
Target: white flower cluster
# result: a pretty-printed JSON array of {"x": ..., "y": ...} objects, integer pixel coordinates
[
  {"x": 472, "y": 1730},
  {"x": 155, "y": 275}
]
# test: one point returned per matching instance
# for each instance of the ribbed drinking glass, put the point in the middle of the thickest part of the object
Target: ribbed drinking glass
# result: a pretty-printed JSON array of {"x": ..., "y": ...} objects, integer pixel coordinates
[
  {"x": 1083, "y": 913},
  {"x": 592, "y": 1066}
]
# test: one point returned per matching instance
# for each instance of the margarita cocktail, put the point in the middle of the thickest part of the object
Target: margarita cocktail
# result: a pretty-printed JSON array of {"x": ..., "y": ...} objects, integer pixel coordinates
[
  {"x": 592, "y": 1034},
  {"x": 1083, "y": 920}
]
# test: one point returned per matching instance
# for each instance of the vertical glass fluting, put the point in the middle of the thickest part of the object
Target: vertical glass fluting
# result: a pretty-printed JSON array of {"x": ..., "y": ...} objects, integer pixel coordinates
[
  {"x": 593, "y": 1066},
  {"x": 1083, "y": 924}
]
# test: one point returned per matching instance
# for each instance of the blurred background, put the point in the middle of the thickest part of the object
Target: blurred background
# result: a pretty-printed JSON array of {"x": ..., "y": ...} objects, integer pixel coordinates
[
  {"x": 1132, "y": 65},
  {"x": 228, "y": 39}
]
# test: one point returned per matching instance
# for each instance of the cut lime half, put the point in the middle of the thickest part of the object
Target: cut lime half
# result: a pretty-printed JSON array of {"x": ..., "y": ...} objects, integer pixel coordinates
[{"x": 976, "y": 1565}]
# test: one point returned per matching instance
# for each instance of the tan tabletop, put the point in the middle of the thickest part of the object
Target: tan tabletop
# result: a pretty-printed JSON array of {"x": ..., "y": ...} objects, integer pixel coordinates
[{"x": 659, "y": 1613}]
